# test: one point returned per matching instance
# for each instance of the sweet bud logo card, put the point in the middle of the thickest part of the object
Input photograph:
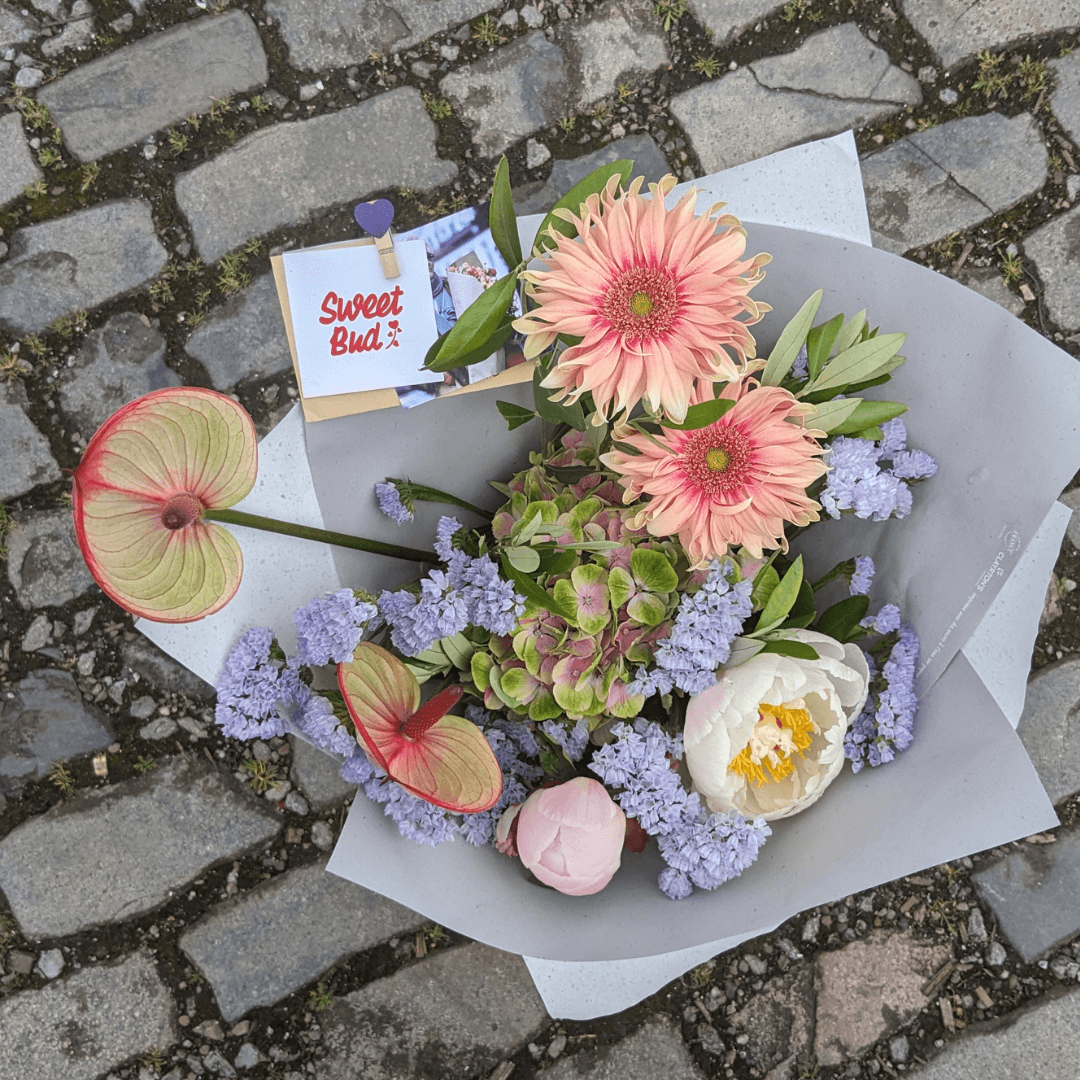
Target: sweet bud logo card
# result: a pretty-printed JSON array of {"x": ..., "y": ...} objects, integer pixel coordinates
[{"x": 353, "y": 328}]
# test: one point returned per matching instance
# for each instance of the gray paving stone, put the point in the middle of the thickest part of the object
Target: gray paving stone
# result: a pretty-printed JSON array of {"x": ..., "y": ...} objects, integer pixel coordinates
[
  {"x": 290, "y": 171},
  {"x": 868, "y": 989},
  {"x": 1032, "y": 893},
  {"x": 1055, "y": 247},
  {"x": 244, "y": 338},
  {"x": 17, "y": 165},
  {"x": 334, "y": 33},
  {"x": 45, "y": 565},
  {"x": 655, "y": 1050},
  {"x": 115, "y": 852},
  {"x": 136, "y": 90},
  {"x": 77, "y": 261},
  {"x": 161, "y": 670},
  {"x": 457, "y": 1013},
  {"x": 117, "y": 363},
  {"x": 735, "y": 119},
  {"x": 951, "y": 177},
  {"x": 80, "y": 1027},
  {"x": 840, "y": 63},
  {"x": 318, "y": 775},
  {"x": 957, "y": 29},
  {"x": 38, "y": 634},
  {"x": 539, "y": 196},
  {"x": 779, "y": 1020},
  {"x": 622, "y": 40},
  {"x": 1040, "y": 1040},
  {"x": 231, "y": 944},
  {"x": 1049, "y": 726},
  {"x": 988, "y": 282},
  {"x": 726, "y": 18},
  {"x": 1065, "y": 97},
  {"x": 25, "y": 457},
  {"x": 511, "y": 92},
  {"x": 45, "y": 721},
  {"x": 15, "y": 27}
]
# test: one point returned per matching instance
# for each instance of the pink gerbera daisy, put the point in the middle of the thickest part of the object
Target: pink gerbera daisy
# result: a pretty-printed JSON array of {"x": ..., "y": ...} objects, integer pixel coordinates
[
  {"x": 653, "y": 294},
  {"x": 734, "y": 482}
]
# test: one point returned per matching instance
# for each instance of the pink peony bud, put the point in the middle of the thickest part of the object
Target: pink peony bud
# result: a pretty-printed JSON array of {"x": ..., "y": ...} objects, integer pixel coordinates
[
  {"x": 506, "y": 830},
  {"x": 571, "y": 836}
]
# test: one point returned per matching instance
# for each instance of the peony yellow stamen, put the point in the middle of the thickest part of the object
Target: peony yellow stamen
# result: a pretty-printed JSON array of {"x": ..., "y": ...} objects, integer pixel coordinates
[
  {"x": 717, "y": 459},
  {"x": 780, "y": 731},
  {"x": 641, "y": 304}
]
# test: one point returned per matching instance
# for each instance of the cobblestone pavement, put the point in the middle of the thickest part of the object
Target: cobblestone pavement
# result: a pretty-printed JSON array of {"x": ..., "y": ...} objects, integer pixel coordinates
[{"x": 164, "y": 911}]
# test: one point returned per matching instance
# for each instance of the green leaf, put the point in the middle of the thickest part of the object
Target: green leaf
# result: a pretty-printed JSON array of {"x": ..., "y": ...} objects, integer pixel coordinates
[
  {"x": 764, "y": 585},
  {"x": 477, "y": 331},
  {"x": 861, "y": 361},
  {"x": 554, "y": 561},
  {"x": 798, "y": 649},
  {"x": 514, "y": 415},
  {"x": 743, "y": 649},
  {"x": 573, "y": 199},
  {"x": 819, "y": 343},
  {"x": 501, "y": 216},
  {"x": 869, "y": 414},
  {"x": 554, "y": 412},
  {"x": 647, "y": 609},
  {"x": 784, "y": 595},
  {"x": 480, "y": 665},
  {"x": 791, "y": 341},
  {"x": 525, "y": 559},
  {"x": 459, "y": 649},
  {"x": 839, "y": 620},
  {"x": 831, "y": 414},
  {"x": 531, "y": 591},
  {"x": 703, "y": 414},
  {"x": 803, "y": 606},
  {"x": 653, "y": 571},
  {"x": 851, "y": 331},
  {"x": 620, "y": 587}
]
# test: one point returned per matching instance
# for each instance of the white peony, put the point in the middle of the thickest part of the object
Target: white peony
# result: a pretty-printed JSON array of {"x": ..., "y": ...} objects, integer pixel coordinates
[{"x": 768, "y": 738}]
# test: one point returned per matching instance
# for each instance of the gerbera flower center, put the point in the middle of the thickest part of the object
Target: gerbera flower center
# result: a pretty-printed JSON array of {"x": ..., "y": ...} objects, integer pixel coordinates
[
  {"x": 781, "y": 731},
  {"x": 180, "y": 511},
  {"x": 641, "y": 303},
  {"x": 717, "y": 459}
]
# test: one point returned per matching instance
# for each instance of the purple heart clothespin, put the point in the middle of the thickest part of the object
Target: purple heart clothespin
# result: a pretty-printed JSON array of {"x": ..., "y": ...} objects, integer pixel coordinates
[{"x": 375, "y": 217}]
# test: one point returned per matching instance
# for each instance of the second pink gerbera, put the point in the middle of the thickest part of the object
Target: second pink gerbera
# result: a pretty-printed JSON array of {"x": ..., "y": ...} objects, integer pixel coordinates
[
  {"x": 654, "y": 295},
  {"x": 736, "y": 482}
]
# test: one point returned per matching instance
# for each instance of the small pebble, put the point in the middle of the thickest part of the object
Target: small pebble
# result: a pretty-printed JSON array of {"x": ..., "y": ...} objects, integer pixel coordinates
[
  {"x": 536, "y": 153},
  {"x": 322, "y": 836},
  {"x": 29, "y": 78},
  {"x": 531, "y": 16},
  {"x": 142, "y": 708},
  {"x": 995, "y": 954},
  {"x": 247, "y": 1057},
  {"x": 949, "y": 96},
  {"x": 296, "y": 802},
  {"x": 756, "y": 964},
  {"x": 509, "y": 18},
  {"x": 449, "y": 52},
  {"x": 899, "y": 1049},
  {"x": 161, "y": 728},
  {"x": 50, "y": 963}
]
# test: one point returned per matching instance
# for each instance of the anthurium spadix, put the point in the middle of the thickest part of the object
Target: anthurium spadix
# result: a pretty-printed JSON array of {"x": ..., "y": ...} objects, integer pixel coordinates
[
  {"x": 140, "y": 493},
  {"x": 443, "y": 759}
]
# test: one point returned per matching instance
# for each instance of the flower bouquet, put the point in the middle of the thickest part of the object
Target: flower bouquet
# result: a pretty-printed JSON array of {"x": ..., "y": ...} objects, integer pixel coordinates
[{"x": 648, "y": 671}]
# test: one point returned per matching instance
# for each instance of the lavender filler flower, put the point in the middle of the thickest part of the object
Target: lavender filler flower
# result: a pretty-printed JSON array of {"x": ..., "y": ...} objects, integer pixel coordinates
[
  {"x": 391, "y": 504},
  {"x": 329, "y": 628},
  {"x": 253, "y": 681},
  {"x": 861, "y": 580}
]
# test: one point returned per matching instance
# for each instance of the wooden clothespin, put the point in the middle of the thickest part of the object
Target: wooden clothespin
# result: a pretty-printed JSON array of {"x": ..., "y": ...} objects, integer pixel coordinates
[{"x": 375, "y": 219}]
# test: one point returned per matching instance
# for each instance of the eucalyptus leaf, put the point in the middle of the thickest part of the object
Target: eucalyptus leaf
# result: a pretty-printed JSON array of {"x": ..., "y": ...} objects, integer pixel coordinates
[
  {"x": 869, "y": 414},
  {"x": 850, "y": 332},
  {"x": 819, "y": 343},
  {"x": 791, "y": 341},
  {"x": 501, "y": 217},
  {"x": 531, "y": 591},
  {"x": 703, "y": 414},
  {"x": 572, "y": 200},
  {"x": 743, "y": 649},
  {"x": 831, "y": 414},
  {"x": 862, "y": 361},
  {"x": 798, "y": 649},
  {"x": 783, "y": 596},
  {"x": 525, "y": 559},
  {"x": 514, "y": 415},
  {"x": 476, "y": 333}
]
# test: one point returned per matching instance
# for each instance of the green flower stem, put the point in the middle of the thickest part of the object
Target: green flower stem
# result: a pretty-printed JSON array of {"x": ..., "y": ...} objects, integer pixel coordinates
[
  {"x": 845, "y": 567},
  {"x": 420, "y": 493},
  {"x": 323, "y": 536}
]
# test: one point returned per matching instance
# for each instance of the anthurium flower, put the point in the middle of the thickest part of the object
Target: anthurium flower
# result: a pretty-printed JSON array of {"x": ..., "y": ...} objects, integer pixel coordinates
[
  {"x": 768, "y": 738},
  {"x": 139, "y": 494},
  {"x": 443, "y": 759}
]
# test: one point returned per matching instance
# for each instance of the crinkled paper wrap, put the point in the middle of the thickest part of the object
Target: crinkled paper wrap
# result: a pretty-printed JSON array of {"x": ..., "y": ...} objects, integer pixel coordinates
[{"x": 992, "y": 400}]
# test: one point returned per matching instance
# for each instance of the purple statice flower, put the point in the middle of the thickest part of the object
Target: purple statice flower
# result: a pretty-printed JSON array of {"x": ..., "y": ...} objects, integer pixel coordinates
[
  {"x": 444, "y": 536},
  {"x": 640, "y": 764},
  {"x": 710, "y": 849},
  {"x": 859, "y": 482},
  {"x": 863, "y": 576},
  {"x": 652, "y": 682},
  {"x": 674, "y": 884},
  {"x": 329, "y": 628},
  {"x": 572, "y": 742},
  {"x": 885, "y": 621},
  {"x": 492, "y": 602},
  {"x": 417, "y": 623},
  {"x": 251, "y": 685},
  {"x": 391, "y": 504},
  {"x": 706, "y": 623},
  {"x": 799, "y": 370},
  {"x": 884, "y": 727},
  {"x": 313, "y": 718}
]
